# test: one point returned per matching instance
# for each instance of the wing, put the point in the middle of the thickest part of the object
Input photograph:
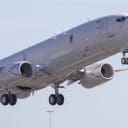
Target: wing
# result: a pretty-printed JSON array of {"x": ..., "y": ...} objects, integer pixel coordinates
[
  {"x": 94, "y": 75},
  {"x": 121, "y": 69}
]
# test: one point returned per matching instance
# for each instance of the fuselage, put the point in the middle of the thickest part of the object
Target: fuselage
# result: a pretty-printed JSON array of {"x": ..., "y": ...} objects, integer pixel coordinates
[{"x": 70, "y": 51}]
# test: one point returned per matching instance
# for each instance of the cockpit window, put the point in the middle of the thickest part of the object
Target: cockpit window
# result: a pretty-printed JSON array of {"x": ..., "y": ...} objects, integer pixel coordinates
[
  {"x": 118, "y": 20},
  {"x": 121, "y": 19}
]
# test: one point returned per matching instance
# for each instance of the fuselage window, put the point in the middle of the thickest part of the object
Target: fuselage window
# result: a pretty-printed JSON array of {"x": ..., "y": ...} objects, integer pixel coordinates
[{"x": 71, "y": 38}]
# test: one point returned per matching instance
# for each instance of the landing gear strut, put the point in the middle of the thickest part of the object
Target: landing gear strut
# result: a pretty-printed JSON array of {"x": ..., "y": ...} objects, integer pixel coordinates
[
  {"x": 56, "y": 98},
  {"x": 8, "y": 99},
  {"x": 124, "y": 59}
]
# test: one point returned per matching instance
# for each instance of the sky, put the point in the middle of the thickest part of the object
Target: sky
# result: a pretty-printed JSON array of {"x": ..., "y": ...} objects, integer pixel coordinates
[{"x": 27, "y": 22}]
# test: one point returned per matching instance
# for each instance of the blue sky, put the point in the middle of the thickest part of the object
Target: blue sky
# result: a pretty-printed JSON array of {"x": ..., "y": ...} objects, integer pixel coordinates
[{"x": 27, "y": 22}]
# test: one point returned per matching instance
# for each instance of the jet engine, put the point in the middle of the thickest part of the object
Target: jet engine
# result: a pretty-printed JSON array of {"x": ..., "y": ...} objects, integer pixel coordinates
[
  {"x": 96, "y": 75},
  {"x": 22, "y": 68}
]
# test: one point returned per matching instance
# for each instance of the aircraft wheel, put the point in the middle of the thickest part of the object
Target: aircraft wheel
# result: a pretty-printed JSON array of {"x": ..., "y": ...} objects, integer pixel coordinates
[
  {"x": 5, "y": 99},
  {"x": 124, "y": 61},
  {"x": 12, "y": 99},
  {"x": 53, "y": 99},
  {"x": 60, "y": 99}
]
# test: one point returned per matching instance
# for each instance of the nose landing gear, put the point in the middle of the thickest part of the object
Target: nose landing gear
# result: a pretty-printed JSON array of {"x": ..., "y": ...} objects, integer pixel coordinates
[{"x": 124, "y": 59}]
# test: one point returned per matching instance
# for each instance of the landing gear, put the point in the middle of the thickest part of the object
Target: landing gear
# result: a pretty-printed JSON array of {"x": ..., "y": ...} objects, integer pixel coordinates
[
  {"x": 124, "y": 59},
  {"x": 56, "y": 98},
  {"x": 5, "y": 99},
  {"x": 8, "y": 99},
  {"x": 12, "y": 99},
  {"x": 53, "y": 99},
  {"x": 60, "y": 99}
]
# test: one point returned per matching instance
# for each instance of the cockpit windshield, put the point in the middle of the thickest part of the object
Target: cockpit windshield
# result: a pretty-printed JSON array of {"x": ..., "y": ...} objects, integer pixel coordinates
[{"x": 121, "y": 19}]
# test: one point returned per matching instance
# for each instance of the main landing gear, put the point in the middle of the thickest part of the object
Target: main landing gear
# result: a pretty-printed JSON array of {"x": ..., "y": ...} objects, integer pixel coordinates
[
  {"x": 8, "y": 99},
  {"x": 124, "y": 59},
  {"x": 56, "y": 98}
]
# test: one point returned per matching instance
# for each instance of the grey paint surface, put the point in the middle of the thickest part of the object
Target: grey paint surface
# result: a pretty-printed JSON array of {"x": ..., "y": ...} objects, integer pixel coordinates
[
  {"x": 60, "y": 56},
  {"x": 105, "y": 106}
]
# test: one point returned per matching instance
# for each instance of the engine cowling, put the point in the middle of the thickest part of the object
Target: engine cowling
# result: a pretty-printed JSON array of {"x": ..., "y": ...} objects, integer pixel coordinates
[
  {"x": 22, "y": 68},
  {"x": 96, "y": 75}
]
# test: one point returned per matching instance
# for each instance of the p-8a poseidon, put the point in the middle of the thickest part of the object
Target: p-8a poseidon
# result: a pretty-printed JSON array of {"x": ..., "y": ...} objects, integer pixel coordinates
[{"x": 70, "y": 56}]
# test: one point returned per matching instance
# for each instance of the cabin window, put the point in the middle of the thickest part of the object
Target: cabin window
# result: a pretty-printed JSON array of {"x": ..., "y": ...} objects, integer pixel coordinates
[{"x": 71, "y": 38}]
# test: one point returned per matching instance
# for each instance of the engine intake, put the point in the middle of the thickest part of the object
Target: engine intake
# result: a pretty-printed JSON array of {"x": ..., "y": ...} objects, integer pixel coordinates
[
  {"x": 26, "y": 69},
  {"x": 96, "y": 75},
  {"x": 22, "y": 68},
  {"x": 107, "y": 71}
]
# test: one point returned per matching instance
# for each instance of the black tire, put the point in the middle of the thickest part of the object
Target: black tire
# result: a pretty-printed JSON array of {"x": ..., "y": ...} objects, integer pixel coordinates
[
  {"x": 12, "y": 99},
  {"x": 53, "y": 99},
  {"x": 5, "y": 99},
  {"x": 127, "y": 61},
  {"x": 60, "y": 99},
  {"x": 123, "y": 61}
]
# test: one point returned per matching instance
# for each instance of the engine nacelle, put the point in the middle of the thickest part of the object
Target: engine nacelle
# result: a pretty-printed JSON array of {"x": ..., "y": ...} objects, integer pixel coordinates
[
  {"x": 96, "y": 75},
  {"x": 22, "y": 68}
]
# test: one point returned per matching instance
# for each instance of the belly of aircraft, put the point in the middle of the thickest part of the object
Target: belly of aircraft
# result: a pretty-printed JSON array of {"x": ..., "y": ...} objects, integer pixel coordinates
[{"x": 61, "y": 73}]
